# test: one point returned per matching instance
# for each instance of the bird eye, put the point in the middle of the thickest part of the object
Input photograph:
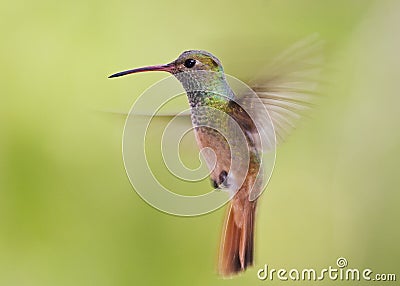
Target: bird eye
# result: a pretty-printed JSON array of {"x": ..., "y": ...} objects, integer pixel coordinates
[{"x": 189, "y": 63}]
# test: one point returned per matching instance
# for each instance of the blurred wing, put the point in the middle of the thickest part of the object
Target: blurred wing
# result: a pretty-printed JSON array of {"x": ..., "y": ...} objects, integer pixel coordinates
[
  {"x": 286, "y": 89},
  {"x": 148, "y": 114},
  {"x": 181, "y": 117}
]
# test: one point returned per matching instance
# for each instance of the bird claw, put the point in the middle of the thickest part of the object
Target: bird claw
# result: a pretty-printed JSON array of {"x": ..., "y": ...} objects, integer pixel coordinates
[{"x": 222, "y": 181}]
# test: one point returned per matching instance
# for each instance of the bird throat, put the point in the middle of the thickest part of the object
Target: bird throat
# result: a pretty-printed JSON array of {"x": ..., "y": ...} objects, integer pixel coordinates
[
  {"x": 208, "y": 93},
  {"x": 207, "y": 106}
]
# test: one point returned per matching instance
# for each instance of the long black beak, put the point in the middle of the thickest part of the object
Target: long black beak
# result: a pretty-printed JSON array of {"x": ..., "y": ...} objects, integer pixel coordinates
[{"x": 167, "y": 68}]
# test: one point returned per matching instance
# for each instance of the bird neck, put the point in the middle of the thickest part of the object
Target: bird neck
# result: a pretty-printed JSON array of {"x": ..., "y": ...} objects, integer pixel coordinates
[
  {"x": 214, "y": 99},
  {"x": 203, "y": 105},
  {"x": 205, "y": 87}
]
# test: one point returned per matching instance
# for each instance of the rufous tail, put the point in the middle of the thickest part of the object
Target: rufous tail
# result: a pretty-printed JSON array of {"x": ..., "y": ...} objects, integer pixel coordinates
[{"x": 237, "y": 245}]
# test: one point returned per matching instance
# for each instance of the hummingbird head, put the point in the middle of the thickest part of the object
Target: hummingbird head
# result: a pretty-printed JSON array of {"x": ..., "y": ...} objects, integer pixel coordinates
[
  {"x": 188, "y": 61},
  {"x": 195, "y": 69}
]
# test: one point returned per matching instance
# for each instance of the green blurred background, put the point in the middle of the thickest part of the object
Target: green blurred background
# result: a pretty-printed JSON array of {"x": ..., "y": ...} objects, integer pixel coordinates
[{"x": 68, "y": 214}]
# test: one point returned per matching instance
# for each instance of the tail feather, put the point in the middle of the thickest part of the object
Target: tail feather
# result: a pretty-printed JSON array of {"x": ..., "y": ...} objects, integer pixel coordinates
[{"x": 237, "y": 245}]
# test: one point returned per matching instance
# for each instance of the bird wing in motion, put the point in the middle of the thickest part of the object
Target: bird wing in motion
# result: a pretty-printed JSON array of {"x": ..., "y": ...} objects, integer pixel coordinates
[{"x": 286, "y": 89}]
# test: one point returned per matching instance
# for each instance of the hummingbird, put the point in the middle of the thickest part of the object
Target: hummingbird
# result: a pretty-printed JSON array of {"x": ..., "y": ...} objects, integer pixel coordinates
[{"x": 278, "y": 99}]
